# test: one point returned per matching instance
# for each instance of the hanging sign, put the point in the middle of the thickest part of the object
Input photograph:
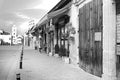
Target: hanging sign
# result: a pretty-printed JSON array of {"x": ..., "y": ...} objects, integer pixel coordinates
[{"x": 64, "y": 19}]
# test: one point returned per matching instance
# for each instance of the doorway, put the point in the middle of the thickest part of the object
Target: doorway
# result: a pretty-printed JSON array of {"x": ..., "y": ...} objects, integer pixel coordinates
[{"x": 90, "y": 37}]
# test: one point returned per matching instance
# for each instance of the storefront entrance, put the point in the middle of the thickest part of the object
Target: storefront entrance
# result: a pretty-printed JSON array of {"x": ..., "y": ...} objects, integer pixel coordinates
[{"x": 62, "y": 36}]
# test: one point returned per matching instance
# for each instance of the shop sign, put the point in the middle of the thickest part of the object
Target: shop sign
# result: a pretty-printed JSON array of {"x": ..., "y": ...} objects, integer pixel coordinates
[
  {"x": 62, "y": 22},
  {"x": 68, "y": 25},
  {"x": 97, "y": 36}
]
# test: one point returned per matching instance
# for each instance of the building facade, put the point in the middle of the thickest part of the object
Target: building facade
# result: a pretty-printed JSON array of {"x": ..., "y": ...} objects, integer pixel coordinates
[{"x": 86, "y": 32}]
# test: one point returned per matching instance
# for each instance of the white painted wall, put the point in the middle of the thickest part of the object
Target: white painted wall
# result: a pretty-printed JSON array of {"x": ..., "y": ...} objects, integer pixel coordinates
[
  {"x": 74, "y": 51},
  {"x": 109, "y": 40},
  {"x": 6, "y": 38}
]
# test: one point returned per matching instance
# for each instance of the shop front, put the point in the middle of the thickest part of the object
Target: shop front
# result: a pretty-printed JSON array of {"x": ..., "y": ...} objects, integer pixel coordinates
[
  {"x": 62, "y": 41},
  {"x": 43, "y": 37},
  {"x": 59, "y": 16}
]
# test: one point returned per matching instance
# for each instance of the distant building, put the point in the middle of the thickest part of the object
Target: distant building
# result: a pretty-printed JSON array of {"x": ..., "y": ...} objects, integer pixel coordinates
[
  {"x": 19, "y": 39},
  {"x": 5, "y": 38},
  {"x": 14, "y": 35}
]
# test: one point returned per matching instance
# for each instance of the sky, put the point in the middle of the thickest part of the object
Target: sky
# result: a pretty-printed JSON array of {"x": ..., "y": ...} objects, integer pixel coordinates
[{"x": 21, "y": 12}]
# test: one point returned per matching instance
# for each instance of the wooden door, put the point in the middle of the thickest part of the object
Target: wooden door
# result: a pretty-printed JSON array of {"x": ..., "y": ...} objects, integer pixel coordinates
[{"x": 90, "y": 37}]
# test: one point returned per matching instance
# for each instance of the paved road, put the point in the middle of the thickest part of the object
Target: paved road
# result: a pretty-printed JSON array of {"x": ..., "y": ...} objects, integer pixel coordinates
[{"x": 7, "y": 60}]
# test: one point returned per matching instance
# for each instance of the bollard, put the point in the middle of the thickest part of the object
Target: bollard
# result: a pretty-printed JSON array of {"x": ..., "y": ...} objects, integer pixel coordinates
[
  {"x": 18, "y": 76},
  {"x": 21, "y": 54},
  {"x": 20, "y": 64},
  {"x": 21, "y": 57}
]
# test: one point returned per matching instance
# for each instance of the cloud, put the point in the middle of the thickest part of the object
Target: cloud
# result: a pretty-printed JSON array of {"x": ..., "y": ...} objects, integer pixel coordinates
[
  {"x": 34, "y": 13},
  {"x": 19, "y": 12},
  {"x": 17, "y": 18},
  {"x": 7, "y": 20},
  {"x": 5, "y": 25},
  {"x": 14, "y": 5},
  {"x": 47, "y": 4},
  {"x": 23, "y": 27},
  {"x": 1, "y": 2},
  {"x": 22, "y": 16},
  {"x": 10, "y": 17}
]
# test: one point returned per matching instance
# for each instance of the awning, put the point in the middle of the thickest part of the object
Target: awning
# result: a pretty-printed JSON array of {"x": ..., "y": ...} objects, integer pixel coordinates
[
  {"x": 43, "y": 20},
  {"x": 60, "y": 11}
]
